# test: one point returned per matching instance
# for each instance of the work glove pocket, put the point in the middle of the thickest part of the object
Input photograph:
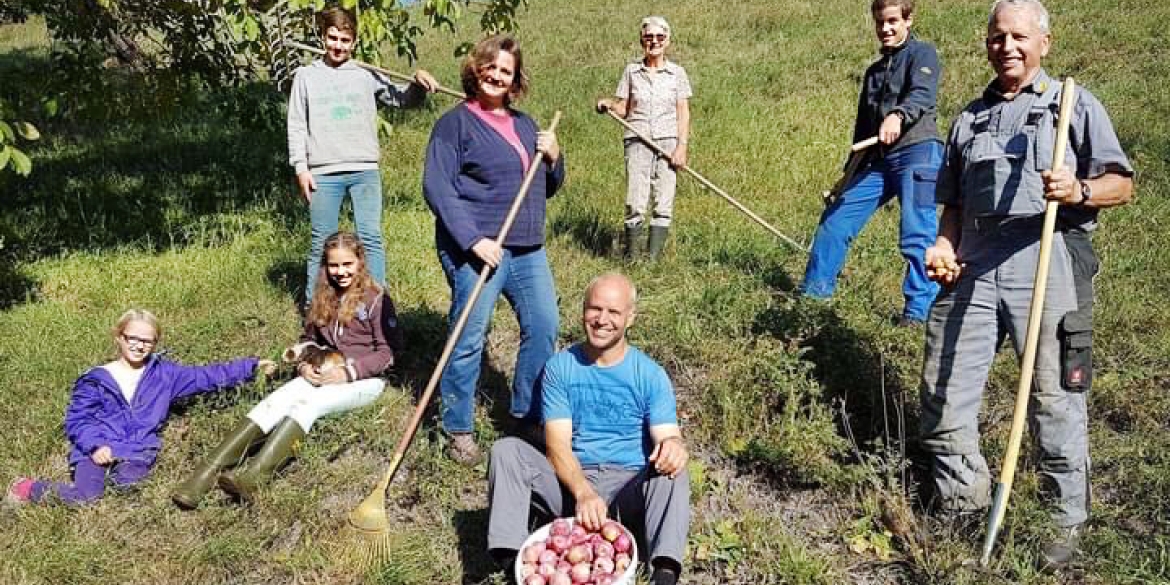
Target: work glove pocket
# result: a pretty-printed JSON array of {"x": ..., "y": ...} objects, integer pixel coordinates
[{"x": 1076, "y": 352}]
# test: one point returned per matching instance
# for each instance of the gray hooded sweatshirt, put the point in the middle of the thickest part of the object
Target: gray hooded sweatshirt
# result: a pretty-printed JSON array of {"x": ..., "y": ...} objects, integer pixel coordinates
[{"x": 332, "y": 124}]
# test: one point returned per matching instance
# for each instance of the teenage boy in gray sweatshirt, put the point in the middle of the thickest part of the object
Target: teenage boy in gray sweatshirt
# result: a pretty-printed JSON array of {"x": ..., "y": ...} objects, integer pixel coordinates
[{"x": 333, "y": 139}]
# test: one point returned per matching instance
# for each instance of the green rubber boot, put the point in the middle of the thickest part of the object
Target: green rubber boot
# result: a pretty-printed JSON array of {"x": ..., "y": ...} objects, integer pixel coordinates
[
  {"x": 229, "y": 452},
  {"x": 658, "y": 235},
  {"x": 635, "y": 245},
  {"x": 282, "y": 442}
]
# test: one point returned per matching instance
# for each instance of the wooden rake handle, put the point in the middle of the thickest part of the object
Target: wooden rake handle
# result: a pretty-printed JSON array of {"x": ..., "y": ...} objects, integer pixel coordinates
[
  {"x": 708, "y": 184},
  {"x": 383, "y": 71},
  {"x": 1028, "y": 363},
  {"x": 461, "y": 322}
]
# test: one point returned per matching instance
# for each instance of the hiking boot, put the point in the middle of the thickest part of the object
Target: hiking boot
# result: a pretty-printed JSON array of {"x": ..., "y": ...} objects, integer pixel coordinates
[
  {"x": 1060, "y": 552},
  {"x": 464, "y": 450},
  {"x": 229, "y": 452},
  {"x": 658, "y": 235},
  {"x": 19, "y": 492},
  {"x": 665, "y": 573},
  {"x": 635, "y": 244},
  {"x": 284, "y": 440},
  {"x": 906, "y": 322}
]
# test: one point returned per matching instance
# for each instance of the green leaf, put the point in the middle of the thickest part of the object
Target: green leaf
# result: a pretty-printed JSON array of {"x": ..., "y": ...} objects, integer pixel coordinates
[
  {"x": 51, "y": 105},
  {"x": 5, "y": 154},
  {"x": 6, "y": 134},
  {"x": 21, "y": 163},
  {"x": 28, "y": 131}
]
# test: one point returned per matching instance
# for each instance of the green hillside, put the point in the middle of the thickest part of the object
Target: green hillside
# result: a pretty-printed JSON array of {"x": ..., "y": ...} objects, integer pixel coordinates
[{"x": 799, "y": 412}]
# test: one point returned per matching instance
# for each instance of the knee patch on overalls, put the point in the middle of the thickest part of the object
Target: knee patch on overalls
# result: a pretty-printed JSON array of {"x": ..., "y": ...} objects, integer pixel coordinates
[{"x": 1076, "y": 352}]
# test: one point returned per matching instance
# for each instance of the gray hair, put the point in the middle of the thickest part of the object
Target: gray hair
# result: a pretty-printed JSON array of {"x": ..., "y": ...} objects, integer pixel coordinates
[
  {"x": 1038, "y": 10},
  {"x": 657, "y": 21}
]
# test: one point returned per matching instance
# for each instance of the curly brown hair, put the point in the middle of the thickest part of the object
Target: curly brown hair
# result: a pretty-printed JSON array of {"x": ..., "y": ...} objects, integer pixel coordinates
[
  {"x": 328, "y": 302},
  {"x": 483, "y": 54}
]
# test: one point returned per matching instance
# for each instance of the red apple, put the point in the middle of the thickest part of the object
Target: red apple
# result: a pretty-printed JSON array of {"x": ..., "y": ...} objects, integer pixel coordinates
[
  {"x": 620, "y": 562},
  {"x": 581, "y": 572},
  {"x": 603, "y": 565},
  {"x": 605, "y": 579},
  {"x": 580, "y": 553},
  {"x": 534, "y": 580},
  {"x": 532, "y": 553},
  {"x": 547, "y": 557},
  {"x": 611, "y": 530},
  {"x": 560, "y": 527},
  {"x": 559, "y": 543},
  {"x": 603, "y": 549},
  {"x": 622, "y": 543}
]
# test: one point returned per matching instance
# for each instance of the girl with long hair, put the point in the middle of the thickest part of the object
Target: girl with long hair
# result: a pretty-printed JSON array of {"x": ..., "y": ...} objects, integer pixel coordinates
[{"x": 350, "y": 313}]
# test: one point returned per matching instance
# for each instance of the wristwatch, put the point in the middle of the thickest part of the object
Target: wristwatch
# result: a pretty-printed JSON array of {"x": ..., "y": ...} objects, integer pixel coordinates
[{"x": 1086, "y": 192}]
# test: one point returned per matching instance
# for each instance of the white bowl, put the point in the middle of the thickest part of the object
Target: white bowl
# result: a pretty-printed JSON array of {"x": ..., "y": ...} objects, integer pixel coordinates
[{"x": 541, "y": 534}]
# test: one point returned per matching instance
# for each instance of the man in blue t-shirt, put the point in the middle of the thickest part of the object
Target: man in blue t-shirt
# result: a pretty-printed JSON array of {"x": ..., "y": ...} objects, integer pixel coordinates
[{"x": 613, "y": 443}]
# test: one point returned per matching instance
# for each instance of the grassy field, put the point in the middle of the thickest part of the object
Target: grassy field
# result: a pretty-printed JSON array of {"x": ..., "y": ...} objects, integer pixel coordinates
[{"x": 795, "y": 408}]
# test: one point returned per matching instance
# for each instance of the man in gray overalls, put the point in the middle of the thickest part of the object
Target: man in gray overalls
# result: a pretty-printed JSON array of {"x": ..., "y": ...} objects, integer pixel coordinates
[{"x": 993, "y": 186}]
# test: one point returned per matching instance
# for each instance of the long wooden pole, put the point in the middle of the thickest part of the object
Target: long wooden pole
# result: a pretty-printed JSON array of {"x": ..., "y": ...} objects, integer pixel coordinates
[
  {"x": 383, "y": 71},
  {"x": 370, "y": 515},
  {"x": 1007, "y": 473},
  {"x": 857, "y": 154},
  {"x": 708, "y": 184}
]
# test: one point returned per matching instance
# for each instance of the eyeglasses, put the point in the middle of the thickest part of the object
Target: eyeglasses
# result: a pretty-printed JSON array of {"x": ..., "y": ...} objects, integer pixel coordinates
[
  {"x": 132, "y": 340},
  {"x": 657, "y": 37}
]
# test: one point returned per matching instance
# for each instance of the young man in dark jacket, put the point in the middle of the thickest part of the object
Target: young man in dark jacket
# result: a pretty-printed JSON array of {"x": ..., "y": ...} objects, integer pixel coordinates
[{"x": 897, "y": 105}]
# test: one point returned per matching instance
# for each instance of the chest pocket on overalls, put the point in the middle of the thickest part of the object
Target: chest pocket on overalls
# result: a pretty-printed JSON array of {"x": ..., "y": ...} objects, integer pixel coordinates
[{"x": 993, "y": 166}]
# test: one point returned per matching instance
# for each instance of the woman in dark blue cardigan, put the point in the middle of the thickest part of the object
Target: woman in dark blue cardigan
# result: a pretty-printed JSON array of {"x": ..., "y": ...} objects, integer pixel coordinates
[{"x": 476, "y": 160}]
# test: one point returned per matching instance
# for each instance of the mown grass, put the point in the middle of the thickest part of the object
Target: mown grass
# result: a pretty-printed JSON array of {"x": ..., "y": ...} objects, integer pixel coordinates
[{"x": 188, "y": 211}]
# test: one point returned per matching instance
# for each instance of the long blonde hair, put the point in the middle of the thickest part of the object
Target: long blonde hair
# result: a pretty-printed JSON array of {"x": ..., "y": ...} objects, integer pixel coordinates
[{"x": 327, "y": 305}]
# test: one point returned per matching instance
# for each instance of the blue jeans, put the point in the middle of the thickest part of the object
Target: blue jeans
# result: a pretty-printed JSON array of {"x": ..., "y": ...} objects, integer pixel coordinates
[
  {"x": 525, "y": 279},
  {"x": 365, "y": 190},
  {"x": 908, "y": 173}
]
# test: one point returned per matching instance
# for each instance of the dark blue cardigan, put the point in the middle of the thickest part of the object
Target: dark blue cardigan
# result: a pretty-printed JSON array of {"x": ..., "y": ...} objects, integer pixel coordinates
[{"x": 472, "y": 176}]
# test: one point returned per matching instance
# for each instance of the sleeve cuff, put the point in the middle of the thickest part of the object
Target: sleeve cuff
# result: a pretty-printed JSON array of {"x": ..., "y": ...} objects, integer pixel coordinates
[{"x": 301, "y": 167}]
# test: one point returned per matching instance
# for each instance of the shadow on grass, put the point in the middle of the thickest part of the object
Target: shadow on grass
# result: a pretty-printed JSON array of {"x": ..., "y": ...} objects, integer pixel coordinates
[
  {"x": 472, "y": 528},
  {"x": 289, "y": 276},
  {"x": 864, "y": 388},
  {"x": 150, "y": 170},
  {"x": 426, "y": 332},
  {"x": 15, "y": 286},
  {"x": 586, "y": 226}
]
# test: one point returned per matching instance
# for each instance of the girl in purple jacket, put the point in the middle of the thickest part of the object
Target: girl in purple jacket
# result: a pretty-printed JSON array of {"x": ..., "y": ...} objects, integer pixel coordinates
[
  {"x": 349, "y": 313},
  {"x": 116, "y": 414}
]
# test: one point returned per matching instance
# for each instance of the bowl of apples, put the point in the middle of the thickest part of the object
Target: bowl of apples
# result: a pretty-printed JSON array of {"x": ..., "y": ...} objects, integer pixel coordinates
[{"x": 563, "y": 552}]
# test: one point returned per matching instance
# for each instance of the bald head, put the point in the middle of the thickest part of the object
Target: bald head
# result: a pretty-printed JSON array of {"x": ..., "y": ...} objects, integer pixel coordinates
[
  {"x": 613, "y": 280},
  {"x": 607, "y": 312}
]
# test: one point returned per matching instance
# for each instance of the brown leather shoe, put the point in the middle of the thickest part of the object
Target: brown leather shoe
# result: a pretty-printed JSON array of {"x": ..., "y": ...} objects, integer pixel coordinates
[{"x": 463, "y": 449}]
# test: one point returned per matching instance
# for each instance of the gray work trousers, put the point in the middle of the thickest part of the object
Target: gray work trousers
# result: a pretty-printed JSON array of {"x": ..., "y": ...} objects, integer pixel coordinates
[
  {"x": 648, "y": 173},
  {"x": 966, "y": 327},
  {"x": 522, "y": 481}
]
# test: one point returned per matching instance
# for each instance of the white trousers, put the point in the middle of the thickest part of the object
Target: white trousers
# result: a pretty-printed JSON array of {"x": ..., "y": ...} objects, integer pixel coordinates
[{"x": 305, "y": 403}]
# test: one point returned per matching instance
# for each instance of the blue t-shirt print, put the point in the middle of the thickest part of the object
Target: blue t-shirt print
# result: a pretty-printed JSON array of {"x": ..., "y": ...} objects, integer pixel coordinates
[{"x": 611, "y": 408}]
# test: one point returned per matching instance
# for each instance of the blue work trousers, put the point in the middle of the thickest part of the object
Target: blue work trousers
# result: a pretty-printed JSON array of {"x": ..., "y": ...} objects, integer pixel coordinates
[
  {"x": 365, "y": 190},
  {"x": 907, "y": 173},
  {"x": 525, "y": 279}
]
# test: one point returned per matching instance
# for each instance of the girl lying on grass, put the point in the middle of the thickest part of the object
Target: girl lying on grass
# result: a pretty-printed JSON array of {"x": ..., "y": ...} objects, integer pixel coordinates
[
  {"x": 117, "y": 411},
  {"x": 349, "y": 313}
]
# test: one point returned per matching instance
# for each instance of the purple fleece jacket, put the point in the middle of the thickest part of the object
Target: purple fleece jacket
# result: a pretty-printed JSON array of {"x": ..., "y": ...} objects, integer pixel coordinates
[{"x": 99, "y": 415}]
